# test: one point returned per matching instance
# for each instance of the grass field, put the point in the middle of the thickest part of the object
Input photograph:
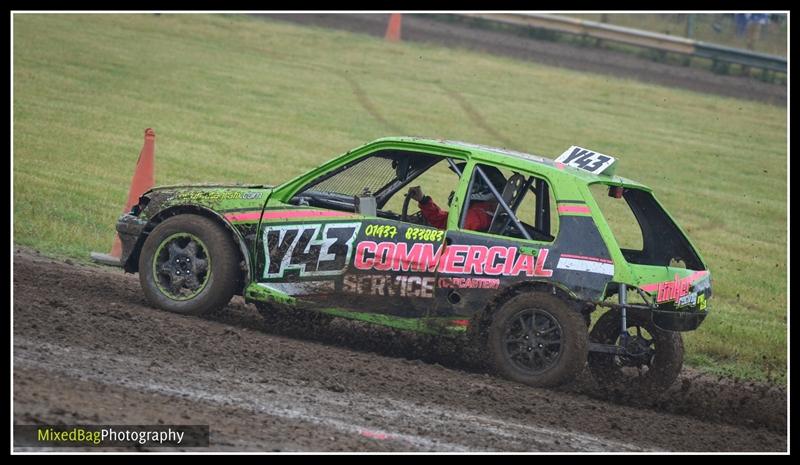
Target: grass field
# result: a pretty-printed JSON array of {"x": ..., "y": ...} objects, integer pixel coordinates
[{"x": 238, "y": 99}]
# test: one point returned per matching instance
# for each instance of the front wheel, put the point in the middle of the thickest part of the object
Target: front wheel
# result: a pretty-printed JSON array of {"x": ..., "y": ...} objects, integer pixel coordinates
[
  {"x": 537, "y": 339},
  {"x": 189, "y": 264},
  {"x": 653, "y": 357}
]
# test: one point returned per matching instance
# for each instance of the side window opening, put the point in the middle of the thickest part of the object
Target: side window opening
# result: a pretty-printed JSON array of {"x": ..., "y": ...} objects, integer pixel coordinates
[
  {"x": 644, "y": 232},
  {"x": 371, "y": 173},
  {"x": 382, "y": 175},
  {"x": 439, "y": 182},
  {"x": 620, "y": 218},
  {"x": 520, "y": 206}
]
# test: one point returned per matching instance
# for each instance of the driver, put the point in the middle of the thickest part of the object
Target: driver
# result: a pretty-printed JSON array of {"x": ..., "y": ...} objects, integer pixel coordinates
[{"x": 482, "y": 204}]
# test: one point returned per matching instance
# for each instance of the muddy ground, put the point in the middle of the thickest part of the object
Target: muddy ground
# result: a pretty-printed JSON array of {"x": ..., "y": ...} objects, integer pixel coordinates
[
  {"x": 89, "y": 350},
  {"x": 422, "y": 28}
]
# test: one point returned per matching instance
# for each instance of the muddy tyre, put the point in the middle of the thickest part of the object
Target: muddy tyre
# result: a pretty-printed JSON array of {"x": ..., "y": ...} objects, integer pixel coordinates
[
  {"x": 190, "y": 265},
  {"x": 656, "y": 355},
  {"x": 537, "y": 339}
]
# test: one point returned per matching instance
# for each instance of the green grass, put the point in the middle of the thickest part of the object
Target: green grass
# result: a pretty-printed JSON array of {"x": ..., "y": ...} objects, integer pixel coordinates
[{"x": 237, "y": 99}]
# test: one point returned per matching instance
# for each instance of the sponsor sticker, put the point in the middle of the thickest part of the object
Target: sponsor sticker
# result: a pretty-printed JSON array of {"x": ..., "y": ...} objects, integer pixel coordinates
[
  {"x": 586, "y": 264},
  {"x": 452, "y": 259},
  {"x": 674, "y": 290},
  {"x": 389, "y": 285},
  {"x": 219, "y": 195},
  {"x": 678, "y": 290},
  {"x": 469, "y": 283}
]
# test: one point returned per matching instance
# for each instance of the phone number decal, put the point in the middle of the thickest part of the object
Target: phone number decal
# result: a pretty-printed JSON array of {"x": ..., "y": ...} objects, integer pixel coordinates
[
  {"x": 421, "y": 234},
  {"x": 380, "y": 230}
]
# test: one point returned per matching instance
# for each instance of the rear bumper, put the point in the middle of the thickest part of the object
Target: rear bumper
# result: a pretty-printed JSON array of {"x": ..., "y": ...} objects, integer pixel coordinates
[
  {"x": 672, "y": 320},
  {"x": 682, "y": 304}
]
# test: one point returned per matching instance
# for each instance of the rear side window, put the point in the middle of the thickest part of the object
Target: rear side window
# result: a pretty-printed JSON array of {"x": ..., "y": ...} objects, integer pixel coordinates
[
  {"x": 620, "y": 218},
  {"x": 643, "y": 230}
]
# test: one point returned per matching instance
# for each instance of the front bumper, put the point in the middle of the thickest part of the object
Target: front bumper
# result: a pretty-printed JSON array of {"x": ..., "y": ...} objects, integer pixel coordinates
[{"x": 130, "y": 229}]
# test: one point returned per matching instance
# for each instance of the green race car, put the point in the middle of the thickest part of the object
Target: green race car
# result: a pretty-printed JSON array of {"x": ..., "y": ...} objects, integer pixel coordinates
[{"x": 522, "y": 257}]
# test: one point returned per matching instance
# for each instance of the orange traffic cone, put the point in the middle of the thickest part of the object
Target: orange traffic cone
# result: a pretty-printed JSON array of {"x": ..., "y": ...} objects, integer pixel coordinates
[
  {"x": 393, "y": 31},
  {"x": 143, "y": 180}
]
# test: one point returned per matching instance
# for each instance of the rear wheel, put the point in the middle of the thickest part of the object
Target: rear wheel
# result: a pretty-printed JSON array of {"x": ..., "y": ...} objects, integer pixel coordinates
[
  {"x": 653, "y": 358},
  {"x": 190, "y": 265},
  {"x": 537, "y": 339}
]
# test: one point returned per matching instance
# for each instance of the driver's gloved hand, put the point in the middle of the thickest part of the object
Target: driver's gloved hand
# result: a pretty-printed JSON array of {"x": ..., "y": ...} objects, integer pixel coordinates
[{"x": 416, "y": 193}]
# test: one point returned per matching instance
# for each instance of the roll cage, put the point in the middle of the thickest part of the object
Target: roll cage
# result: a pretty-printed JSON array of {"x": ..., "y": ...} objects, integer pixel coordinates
[{"x": 333, "y": 190}]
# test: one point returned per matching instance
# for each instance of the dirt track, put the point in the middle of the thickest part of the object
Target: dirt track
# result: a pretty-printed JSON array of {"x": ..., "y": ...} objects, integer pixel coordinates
[
  {"x": 88, "y": 349},
  {"x": 419, "y": 28}
]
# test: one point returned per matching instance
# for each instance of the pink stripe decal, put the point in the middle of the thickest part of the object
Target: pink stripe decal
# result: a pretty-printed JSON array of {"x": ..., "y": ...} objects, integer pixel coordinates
[
  {"x": 234, "y": 217},
  {"x": 573, "y": 209},
  {"x": 593, "y": 259},
  {"x": 284, "y": 215},
  {"x": 652, "y": 287}
]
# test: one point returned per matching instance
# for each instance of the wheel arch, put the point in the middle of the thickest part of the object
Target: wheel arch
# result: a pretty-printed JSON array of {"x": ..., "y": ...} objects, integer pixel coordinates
[
  {"x": 484, "y": 317},
  {"x": 132, "y": 264}
]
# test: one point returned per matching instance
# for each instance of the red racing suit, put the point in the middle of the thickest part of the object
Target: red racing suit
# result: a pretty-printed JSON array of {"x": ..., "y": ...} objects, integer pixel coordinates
[{"x": 479, "y": 215}]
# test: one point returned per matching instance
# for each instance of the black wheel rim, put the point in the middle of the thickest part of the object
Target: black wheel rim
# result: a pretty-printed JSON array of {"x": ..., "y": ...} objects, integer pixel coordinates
[
  {"x": 181, "y": 266},
  {"x": 533, "y": 341}
]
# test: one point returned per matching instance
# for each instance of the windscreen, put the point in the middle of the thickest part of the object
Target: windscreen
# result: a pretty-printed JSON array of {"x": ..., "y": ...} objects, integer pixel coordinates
[
  {"x": 380, "y": 174},
  {"x": 371, "y": 173}
]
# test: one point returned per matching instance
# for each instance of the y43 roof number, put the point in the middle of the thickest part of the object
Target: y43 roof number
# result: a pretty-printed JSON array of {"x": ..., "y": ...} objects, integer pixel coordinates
[{"x": 587, "y": 160}]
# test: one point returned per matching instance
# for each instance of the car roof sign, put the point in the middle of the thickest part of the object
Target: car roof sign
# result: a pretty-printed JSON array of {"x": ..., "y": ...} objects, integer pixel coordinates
[{"x": 588, "y": 160}]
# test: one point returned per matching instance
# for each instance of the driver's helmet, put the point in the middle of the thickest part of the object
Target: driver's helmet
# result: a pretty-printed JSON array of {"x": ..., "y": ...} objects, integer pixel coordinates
[{"x": 480, "y": 191}]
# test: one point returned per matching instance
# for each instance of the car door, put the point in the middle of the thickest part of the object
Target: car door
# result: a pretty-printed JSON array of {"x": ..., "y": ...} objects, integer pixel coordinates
[
  {"x": 304, "y": 251},
  {"x": 337, "y": 258},
  {"x": 393, "y": 269},
  {"x": 477, "y": 265}
]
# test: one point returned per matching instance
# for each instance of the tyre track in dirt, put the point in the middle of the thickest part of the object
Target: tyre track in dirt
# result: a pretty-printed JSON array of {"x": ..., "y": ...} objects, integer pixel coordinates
[
  {"x": 475, "y": 116},
  {"x": 326, "y": 410},
  {"x": 367, "y": 104},
  {"x": 87, "y": 347}
]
